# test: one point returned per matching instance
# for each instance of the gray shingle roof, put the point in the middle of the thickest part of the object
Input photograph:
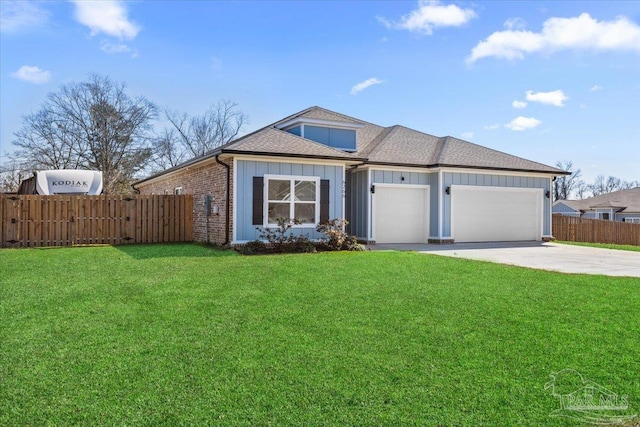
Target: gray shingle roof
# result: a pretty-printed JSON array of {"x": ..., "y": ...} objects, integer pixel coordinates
[
  {"x": 625, "y": 200},
  {"x": 273, "y": 141},
  {"x": 462, "y": 153},
  {"x": 399, "y": 145},
  {"x": 394, "y": 145}
]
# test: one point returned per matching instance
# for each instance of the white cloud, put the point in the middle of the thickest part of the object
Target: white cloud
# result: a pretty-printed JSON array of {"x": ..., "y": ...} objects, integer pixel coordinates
[
  {"x": 106, "y": 16},
  {"x": 365, "y": 84},
  {"x": 515, "y": 24},
  {"x": 493, "y": 126},
  {"x": 32, "y": 74},
  {"x": 582, "y": 33},
  {"x": 556, "y": 97},
  {"x": 431, "y": 14},
  {"x": 519, "y": 104},
  {"x": 595, "y": 88},
  {"x": 521, "y": 123},
  {"x": 111, "y": 48},
  {"x": 467, "y": 135},
  {"x": 16, "y": 16}
]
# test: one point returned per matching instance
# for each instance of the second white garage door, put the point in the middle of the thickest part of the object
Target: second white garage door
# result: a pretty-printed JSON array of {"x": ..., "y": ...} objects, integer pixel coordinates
[
  {"x": 401, "y": 214},
  {"x": 494, "y": 214}
]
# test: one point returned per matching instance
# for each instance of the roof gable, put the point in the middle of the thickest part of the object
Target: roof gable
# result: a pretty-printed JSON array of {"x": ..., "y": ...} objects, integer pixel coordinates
[
  {"x": 272, "y": 141},
  {"x": 571, "y": 204},
  {"x": 623, "y": 200},
  {"x": 365, "y": 133}
]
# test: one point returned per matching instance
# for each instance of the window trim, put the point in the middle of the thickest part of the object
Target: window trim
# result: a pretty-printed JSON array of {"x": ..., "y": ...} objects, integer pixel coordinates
[
  {"x": 291, "y": 179},
  {"x": 326, "y": 125},
  {"x": 330, "y": 129}
]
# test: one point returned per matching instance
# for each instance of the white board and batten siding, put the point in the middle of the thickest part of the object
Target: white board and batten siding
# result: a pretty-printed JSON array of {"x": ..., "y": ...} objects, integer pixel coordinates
[{"x": 485, "y": 214}]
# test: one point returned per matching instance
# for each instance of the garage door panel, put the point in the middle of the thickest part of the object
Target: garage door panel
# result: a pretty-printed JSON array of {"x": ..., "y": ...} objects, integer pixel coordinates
[
  {"x": 401, "y": 214},
  {"x": 481, "y": 214}
]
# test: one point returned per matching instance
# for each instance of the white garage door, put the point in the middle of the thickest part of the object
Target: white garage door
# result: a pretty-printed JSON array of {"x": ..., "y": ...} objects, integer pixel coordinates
[
  {"x": 494, "y": 214},
  {"x": 401, "y": 214}
]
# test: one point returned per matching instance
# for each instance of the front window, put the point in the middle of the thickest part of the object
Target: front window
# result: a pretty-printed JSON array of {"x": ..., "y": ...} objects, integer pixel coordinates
[{"x": 294, "y": 198}]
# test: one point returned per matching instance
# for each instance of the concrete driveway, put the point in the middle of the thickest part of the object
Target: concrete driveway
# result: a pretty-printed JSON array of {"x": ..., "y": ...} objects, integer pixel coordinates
[{"x": 543, "y": 256}]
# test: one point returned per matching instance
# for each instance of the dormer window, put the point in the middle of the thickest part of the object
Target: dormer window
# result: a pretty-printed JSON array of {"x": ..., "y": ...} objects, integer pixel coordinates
[
  {"x": 342, "y": 139},
  {"x": 339, "y": 135}
]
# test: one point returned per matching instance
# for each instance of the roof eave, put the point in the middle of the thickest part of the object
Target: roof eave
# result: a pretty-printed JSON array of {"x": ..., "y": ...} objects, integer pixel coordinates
[
  {"x": 619, "y": 208},
  {"x": 194, "y": 161},
  {"x": 294, "y": 155},
  {"x": 555, "y": 173},
  {"x": 445, "y": 165}
]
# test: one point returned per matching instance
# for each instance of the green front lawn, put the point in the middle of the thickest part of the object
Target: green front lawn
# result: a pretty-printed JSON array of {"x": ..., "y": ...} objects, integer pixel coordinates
[
  {"x": 187, "y": 335},
  {"x": 602, "y": 245}
]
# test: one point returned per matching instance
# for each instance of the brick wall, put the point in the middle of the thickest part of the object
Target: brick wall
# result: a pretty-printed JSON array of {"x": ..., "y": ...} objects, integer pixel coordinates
[{"x": 200, "y": 181}]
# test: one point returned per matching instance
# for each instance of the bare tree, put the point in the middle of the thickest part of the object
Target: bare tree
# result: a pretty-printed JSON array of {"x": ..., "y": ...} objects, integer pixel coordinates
[
  {"x": 45, "y": 142},
  {"x": 564, "y": 185},
  {"x": 582, "y": 190},
  {"x": 625, "y": 185},
  {"x": 194, "y": 136},
  {"x": 610, "y": 184},
  {"x": 90, "y": 125},
  {"x": 167, "y": 149},
  {"x": 12, "y": 173}
]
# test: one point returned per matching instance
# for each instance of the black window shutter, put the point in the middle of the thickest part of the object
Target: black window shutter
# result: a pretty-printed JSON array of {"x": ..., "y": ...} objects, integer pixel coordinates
[
  {"x": 258, "y": 200},
  {"x": 324, "y": 200}
]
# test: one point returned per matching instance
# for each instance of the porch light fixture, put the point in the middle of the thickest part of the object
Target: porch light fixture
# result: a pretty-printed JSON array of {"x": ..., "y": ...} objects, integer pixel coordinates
[
  {"x": 447, "y": 190},
  {"x": 216, "y": 210},
  {"x": 547, "y": 194}
]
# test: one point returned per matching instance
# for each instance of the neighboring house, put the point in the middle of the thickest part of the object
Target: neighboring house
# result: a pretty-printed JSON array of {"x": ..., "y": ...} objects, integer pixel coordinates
[
  {"x": 623, "y": 205},
  {"x": 393, "y": 184}
]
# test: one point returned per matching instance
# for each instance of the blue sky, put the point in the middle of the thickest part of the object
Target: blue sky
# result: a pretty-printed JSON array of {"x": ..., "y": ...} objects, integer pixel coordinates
[{"x": 546, "y": 81}]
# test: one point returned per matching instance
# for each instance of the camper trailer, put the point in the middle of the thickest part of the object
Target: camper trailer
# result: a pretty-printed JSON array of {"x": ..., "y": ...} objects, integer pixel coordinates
[{"x": 63, "y": 181}]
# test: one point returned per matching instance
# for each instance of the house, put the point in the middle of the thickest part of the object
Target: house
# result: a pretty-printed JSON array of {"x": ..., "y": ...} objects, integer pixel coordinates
[
  {"x": 393, "y": 184},
  {"x": 623, "y": 205}
]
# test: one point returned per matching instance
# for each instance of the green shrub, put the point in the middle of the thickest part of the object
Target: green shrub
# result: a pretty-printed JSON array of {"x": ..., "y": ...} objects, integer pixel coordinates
[
  {"x": 337, "y": 239},
  {"x": 254, "y": 247},
  {"x": 282, "y": 240},
  {"x": 351, "y": 244}
]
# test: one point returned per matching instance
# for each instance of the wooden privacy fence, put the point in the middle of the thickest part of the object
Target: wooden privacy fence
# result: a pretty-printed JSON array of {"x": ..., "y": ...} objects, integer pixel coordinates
[
  {"x": 67, "y": 220},
  {"x": 574, "y": 229}
]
